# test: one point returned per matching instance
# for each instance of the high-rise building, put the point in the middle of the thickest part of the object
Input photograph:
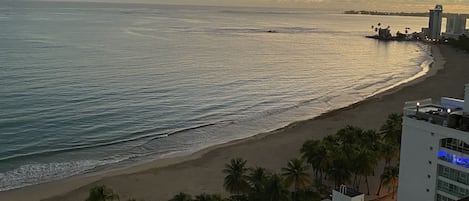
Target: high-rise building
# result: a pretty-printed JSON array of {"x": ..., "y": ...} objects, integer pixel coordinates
[
  {"x": 455, "y": 25},
  {"x": 434, "y": 159},
  {"x": 434, "y": 22}
]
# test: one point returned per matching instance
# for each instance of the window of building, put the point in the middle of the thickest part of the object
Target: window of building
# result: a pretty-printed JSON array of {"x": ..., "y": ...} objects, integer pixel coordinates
[
  {"x": 462, "y": 178},
  {"x": 453, "y": 174},
  {"x": 443, "y": 198},
  {"x": 455, "y": 145},
  {"x": 462, "y": 191},
  {"x": 445, "y": 171}
]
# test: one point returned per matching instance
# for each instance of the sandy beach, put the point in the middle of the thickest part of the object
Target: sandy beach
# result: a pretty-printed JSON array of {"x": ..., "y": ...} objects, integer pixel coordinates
[{"x": 201, "y": 172}]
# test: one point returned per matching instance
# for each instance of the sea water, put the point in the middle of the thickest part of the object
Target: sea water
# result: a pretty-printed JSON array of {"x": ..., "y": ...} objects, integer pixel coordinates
[{"x": 86, "y": 87}]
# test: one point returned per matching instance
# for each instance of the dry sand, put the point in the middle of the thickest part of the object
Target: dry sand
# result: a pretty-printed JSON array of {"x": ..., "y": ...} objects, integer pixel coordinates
[{"x": 201, "y": 172}]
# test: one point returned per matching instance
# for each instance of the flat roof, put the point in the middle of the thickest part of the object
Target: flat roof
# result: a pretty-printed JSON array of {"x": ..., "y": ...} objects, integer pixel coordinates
[{"x": 349, "y": 192}]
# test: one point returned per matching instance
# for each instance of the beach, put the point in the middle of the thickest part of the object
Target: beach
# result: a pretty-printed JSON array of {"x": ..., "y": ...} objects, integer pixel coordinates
[{"x": 201, "y": 171}]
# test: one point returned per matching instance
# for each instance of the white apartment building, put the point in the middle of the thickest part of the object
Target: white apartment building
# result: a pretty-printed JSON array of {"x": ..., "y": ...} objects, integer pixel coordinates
[
  {"x": 434, "y": 160},
  {"x": 455, "y": 25}
]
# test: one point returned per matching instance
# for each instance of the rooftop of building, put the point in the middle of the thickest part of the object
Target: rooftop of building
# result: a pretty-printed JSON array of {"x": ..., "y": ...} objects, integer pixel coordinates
[
  {"x": 348, "y": 191},
  {"x": 447, "y": 112}
]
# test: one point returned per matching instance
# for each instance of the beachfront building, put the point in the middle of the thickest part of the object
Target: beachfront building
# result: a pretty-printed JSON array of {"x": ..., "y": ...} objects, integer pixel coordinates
[
  {"x": 344, "y": 193},
  {"x": 434, "y": 22},
  {"x": 434, "y": 160},
  {"x": 455, "y": 26}
]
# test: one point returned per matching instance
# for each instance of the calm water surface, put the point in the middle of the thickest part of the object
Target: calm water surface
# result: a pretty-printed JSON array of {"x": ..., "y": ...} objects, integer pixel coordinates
[{"x": 87, "y": 87}]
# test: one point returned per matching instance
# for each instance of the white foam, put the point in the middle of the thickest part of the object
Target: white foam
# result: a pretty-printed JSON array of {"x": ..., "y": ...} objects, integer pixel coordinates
[{"x": 36, "y": 173}]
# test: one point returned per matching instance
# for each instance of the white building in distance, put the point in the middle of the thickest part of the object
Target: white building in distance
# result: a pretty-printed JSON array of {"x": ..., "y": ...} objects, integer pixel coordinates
[
  {"x": 434, "y": 22},
  {"x": 434, "y": 161},
  {"x": 455, "y": 25},
  {"x": 344, "y": 193}
]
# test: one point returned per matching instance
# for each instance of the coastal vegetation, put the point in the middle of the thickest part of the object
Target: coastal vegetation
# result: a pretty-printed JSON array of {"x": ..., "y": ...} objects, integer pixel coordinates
[
  {"x": 462, "y": 42},
  {"x": 348, "y": 157}
]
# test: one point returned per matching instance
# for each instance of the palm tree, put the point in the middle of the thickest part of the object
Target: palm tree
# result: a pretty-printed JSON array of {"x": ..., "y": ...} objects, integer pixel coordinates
[
  {"x": 340, "y": 170},
  {"x": 181, "y": 197},
  {"x": 350, "y": 135},
  {"x": 388, "y": 152},
  {"x": 329, "y": 145},
  {"x": 365, "y": 161},
  {"x": 236, "y": 181},
  {"x": 208, "y": 197},
  {"x": 390, "y": 176},
  {"x": 407, "y": 30},
  {"x": 275, "y": 189},
  {"x": 102, "y": 193},
  {"x": 257, "y": 178},
  {"x": 314, "y": 153},
  {"x": 295, "y": 173},
  {"x": 391, "y": 130}
]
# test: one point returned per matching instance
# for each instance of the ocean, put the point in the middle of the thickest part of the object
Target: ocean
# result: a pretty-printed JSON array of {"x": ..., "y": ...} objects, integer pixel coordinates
[{"x": 89, "y": 87}]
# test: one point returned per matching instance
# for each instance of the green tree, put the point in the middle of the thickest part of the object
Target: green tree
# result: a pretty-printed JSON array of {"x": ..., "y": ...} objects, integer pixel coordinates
[
  {"x": 208, "y": 197},
  {"x": 350, "y": 135},
  {"x": 236, "y": 180},
  {"x": 391, "y": 130},
  {"x": 181, "y": 197},
  {"x": 275, "y": 189},
  {"x": 365, "y": 161},
  {"x": 314, "y": 153},
  {"x": 388, "y": 152},
  {"x": 102, "y": 193},
  {"x": 329, "y": 145},
  {"x": 340, "y": 170},
  {"x": 295, "y": 174},
  {"x": 390, "y": 177},
  {"x": 257, "y": 178}
]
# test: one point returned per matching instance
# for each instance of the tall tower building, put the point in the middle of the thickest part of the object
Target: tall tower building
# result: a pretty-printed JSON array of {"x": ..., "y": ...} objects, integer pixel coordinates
[
  {"x": 455, "y": 25},
  {"x": 434, "y": 22},
  {"x": 434, "y": 162}
]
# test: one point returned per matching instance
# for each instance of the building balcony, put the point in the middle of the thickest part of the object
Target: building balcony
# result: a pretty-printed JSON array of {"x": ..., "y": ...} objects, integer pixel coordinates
[{"x": 454, "y": 159}]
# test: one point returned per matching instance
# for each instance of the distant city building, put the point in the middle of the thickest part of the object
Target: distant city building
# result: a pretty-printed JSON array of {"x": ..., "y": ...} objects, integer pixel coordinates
[
  {"x": 434, "y": 158},
  {"x": 455, "y": 25},
  {"x": 344, "y": 193},
  {"x": 424, "y": 32},
  {"x": 434, "y": 22}
]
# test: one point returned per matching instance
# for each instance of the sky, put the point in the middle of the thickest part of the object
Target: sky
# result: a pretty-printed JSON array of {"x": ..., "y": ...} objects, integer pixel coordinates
[{"x": 458, "y": 6}]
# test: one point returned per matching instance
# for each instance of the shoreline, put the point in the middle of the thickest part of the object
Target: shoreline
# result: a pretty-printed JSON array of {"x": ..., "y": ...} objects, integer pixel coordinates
[{"x": 115, "y": 178}]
